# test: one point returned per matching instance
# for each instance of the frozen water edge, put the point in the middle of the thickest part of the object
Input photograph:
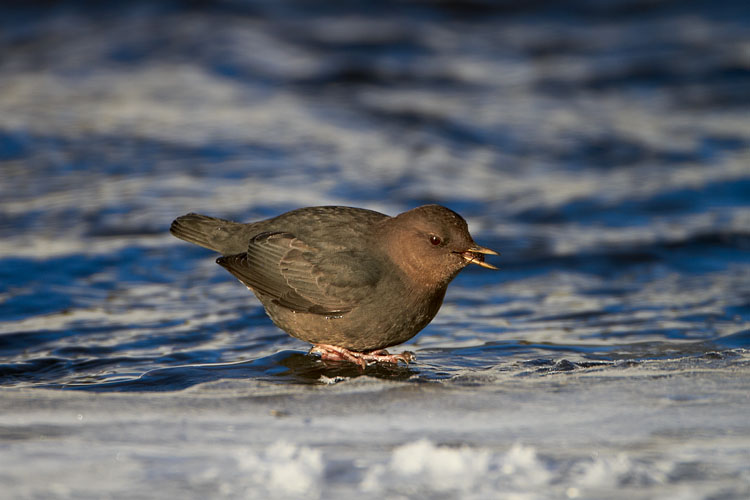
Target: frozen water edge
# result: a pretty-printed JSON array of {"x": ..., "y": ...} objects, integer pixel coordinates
[{"x": 675, "y": 429}]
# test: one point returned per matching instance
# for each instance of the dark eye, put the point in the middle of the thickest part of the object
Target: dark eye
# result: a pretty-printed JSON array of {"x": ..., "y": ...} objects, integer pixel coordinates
[{"x": 435, "y": 240}]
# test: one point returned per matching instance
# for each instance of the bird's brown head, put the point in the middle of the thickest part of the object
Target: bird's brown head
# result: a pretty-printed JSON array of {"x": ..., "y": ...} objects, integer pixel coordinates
[{"x": 432, "y": 244}]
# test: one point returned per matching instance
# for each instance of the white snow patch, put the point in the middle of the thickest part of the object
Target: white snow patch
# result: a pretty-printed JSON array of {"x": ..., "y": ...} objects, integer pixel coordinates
[
  {"x": 424, "y": 467},
  {"x": 285, "y": 469},
  {"x": 611, "y": 472}
]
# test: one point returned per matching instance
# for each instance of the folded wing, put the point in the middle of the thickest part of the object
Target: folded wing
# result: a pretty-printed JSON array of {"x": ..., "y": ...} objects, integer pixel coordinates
[{"x": 302, "y": 277}]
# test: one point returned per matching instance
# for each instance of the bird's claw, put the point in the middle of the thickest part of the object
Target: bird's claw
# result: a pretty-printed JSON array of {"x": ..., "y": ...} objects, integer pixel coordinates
[{"x": 362, "y": 359}]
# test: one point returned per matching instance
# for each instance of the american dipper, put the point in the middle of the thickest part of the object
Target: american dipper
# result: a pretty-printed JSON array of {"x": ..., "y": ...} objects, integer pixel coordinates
[{"x": 348, "y": 280}]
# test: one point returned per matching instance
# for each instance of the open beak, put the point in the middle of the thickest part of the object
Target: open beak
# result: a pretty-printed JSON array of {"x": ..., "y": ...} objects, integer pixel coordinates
[{"x": 475, "y": 255}]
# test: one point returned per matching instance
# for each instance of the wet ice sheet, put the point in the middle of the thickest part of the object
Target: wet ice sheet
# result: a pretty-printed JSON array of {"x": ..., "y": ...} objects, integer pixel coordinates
[{"x": 653, "y": 429}]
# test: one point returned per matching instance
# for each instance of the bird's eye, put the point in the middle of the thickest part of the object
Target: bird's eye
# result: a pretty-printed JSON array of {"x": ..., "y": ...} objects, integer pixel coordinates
[{"x": 435, "y": 240}]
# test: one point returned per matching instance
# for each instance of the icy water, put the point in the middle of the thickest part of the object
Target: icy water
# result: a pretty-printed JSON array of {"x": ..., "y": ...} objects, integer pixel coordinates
[{"x": 602, "y": 147}]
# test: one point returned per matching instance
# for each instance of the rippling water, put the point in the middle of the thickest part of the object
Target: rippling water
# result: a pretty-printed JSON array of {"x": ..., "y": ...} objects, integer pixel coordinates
[{"x": 602, "y": 147}]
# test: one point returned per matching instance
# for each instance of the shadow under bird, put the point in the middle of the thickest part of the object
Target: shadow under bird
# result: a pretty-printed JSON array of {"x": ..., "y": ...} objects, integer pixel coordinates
[{"x": 348, "y": 280}]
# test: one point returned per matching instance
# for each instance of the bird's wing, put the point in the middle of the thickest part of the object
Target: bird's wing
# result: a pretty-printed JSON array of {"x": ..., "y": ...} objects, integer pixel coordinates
[{"x": 301, "y": 277}]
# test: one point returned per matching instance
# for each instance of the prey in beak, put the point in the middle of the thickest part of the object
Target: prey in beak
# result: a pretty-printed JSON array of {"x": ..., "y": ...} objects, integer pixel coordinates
[{"x": 475, "y": 255}]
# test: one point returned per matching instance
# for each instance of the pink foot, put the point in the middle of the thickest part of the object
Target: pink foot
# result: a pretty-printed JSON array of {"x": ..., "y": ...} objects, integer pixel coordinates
[{"x": 335, "y": 353}]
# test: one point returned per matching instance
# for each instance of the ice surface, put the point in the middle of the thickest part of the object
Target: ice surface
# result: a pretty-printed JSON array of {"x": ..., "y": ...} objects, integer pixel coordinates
[{"x": 675, "y": 430}]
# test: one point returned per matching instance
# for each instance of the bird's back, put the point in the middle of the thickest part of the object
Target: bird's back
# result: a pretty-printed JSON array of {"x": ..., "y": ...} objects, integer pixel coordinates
[{"x": 332, "y": 226}]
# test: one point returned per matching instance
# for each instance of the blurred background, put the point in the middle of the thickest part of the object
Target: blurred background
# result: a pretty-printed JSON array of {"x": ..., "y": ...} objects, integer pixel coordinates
[
  {"x": 603, "y": 146},
  {"x": 605, "y": 140}
]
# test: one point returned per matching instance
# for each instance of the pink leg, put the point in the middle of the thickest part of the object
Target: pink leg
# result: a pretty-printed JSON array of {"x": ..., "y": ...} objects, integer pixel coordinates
[{"x": 334, "y": 353}]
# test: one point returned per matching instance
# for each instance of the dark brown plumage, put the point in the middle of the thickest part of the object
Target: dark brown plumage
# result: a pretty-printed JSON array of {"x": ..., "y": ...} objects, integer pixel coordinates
[{"x": 347, "y": 278}]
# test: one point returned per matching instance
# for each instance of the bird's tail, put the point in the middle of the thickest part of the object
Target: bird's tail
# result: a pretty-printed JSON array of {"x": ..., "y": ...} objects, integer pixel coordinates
[{"x": 209, "y": 232}]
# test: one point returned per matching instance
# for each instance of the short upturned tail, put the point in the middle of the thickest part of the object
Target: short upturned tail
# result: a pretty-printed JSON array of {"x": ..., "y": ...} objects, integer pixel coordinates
[{"x": 209, "y": 232}]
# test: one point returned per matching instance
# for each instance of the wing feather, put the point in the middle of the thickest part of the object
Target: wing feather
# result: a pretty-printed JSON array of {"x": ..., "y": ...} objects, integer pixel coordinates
[{"x": 301, "y": 277}]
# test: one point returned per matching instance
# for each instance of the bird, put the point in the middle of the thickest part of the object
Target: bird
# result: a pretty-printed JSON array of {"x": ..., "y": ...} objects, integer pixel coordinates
[{"x": 350, "y": 281}]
